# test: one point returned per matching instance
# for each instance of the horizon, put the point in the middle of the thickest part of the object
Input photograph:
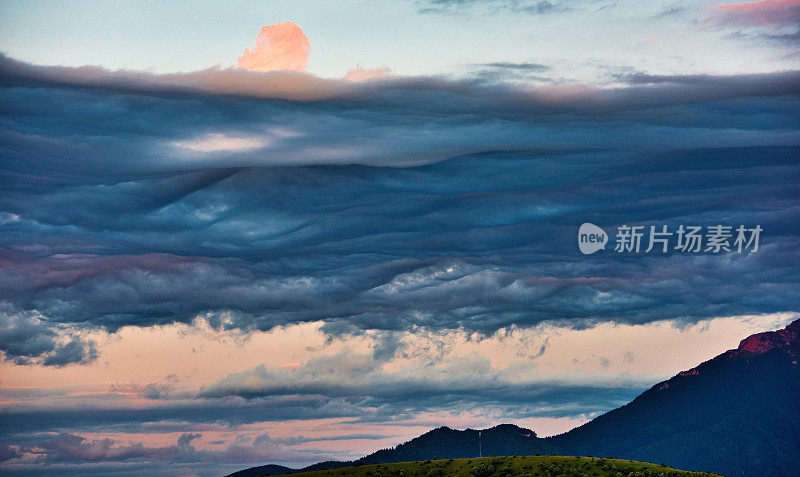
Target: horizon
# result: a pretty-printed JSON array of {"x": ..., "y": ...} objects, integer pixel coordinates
[{"x": 272, "y": 233}]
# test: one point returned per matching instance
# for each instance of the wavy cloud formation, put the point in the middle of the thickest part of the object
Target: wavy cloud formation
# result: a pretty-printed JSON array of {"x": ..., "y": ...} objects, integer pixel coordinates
[{"x": 136, "y": 200}]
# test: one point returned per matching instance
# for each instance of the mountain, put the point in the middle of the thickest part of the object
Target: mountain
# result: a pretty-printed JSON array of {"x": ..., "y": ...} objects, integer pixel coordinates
[
  {"x": 737, "y": 414},
  {"x": 446, "y": 443},
  {"x": 270, "y": 469},
  {"x": 274, "y": 469}
]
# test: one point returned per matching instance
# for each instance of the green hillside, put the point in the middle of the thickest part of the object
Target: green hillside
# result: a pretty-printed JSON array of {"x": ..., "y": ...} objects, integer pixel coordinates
[{"x": 509, "y": 466}]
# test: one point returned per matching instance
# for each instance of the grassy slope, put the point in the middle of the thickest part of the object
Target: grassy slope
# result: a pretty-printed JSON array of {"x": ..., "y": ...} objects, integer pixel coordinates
[{"x": 509, "y": 466}]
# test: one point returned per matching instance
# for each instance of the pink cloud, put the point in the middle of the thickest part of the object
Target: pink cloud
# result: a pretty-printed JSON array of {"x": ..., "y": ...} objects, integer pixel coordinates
[
  {"x": 279, "y": 47},
  {"x": 762, "y": 13}
]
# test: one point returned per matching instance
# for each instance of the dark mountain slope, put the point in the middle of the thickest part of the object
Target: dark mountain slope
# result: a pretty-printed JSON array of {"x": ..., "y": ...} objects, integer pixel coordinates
[{"x": 737, "y": 414}]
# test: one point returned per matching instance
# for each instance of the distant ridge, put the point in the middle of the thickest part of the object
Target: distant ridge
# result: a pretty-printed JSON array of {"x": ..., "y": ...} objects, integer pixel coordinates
[
  {"x": 737, "y": 414},
  {"x": 447, "y": 443}
]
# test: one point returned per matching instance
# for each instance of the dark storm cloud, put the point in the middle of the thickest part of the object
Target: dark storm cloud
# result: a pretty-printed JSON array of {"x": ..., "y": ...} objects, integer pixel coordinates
[
  {"x": 73, "y": 351},
  {"x": 26, "y": 339},
  {"x": 253, "y": 200}
]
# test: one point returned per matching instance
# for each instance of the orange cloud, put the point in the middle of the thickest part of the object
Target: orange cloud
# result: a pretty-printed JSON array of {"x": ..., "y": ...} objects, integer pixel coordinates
[
  {"x": 765, "y": 12},
  {"x": 279, "y": 47}
]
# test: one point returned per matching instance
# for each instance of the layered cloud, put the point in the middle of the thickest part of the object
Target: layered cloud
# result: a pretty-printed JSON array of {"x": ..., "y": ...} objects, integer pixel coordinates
[
  {"x": 359, "y": 378},
  {"x": 140, "y": 200},
  {"x": 279, "y": 47}
]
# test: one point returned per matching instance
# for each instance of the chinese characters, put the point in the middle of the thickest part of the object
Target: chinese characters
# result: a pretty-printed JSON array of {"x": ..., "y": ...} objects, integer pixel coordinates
[{"x": 687, "y": 239}]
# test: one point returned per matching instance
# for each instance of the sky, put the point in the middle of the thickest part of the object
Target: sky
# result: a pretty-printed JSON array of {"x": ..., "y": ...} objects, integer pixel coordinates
[{"x": 243, "y": 233}]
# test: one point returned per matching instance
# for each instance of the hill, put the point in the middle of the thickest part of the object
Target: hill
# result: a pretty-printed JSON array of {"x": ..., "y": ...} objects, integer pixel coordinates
[
  {"x": 446, "y": 443},
  {"x": 533, "y": 466},
  {"x": 269, "y": 469}
]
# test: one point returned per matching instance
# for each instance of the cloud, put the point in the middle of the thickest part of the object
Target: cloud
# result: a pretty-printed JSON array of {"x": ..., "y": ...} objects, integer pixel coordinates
[
  {"x": 457, "y": 381},
  {"x": 185, "y": 440},
  {"x": 157, "y": 390},
  {"x": 505, "y": 65},
  {"x": 23, "y": 335},
  {"x": 8, "y": 452},
  {"x": 366, "y": 205},
  {"x": 279, "y": 47},
  {"x": 448, "y": 95},
  {"x": 74, "y": 351},
  {"x": 26, "y": 338},
  {"x": 265, "y": 449},
  {"x": 360, "y": 73},
  {"x": 530, "y": 7},
  {"x": 73, "y": 448},
  {"x": 53, "y": 453},
  {"x": 761, "y": 13},
  {"x": 215, "y": 142},
  {"x": 349, "y": 386},
  {"x": 504, "y": 72}
]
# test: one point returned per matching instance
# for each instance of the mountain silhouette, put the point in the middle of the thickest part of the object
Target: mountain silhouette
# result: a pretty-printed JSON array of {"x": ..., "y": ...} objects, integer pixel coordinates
[
  {"x": 737, "y": 414},
  {"x": 269, "y": 469},
  {"x": 447, "y": 443}
]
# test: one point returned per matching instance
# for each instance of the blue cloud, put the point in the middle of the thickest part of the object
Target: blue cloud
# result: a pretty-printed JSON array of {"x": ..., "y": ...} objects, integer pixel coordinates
[{"x": 391, "y": 205}]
